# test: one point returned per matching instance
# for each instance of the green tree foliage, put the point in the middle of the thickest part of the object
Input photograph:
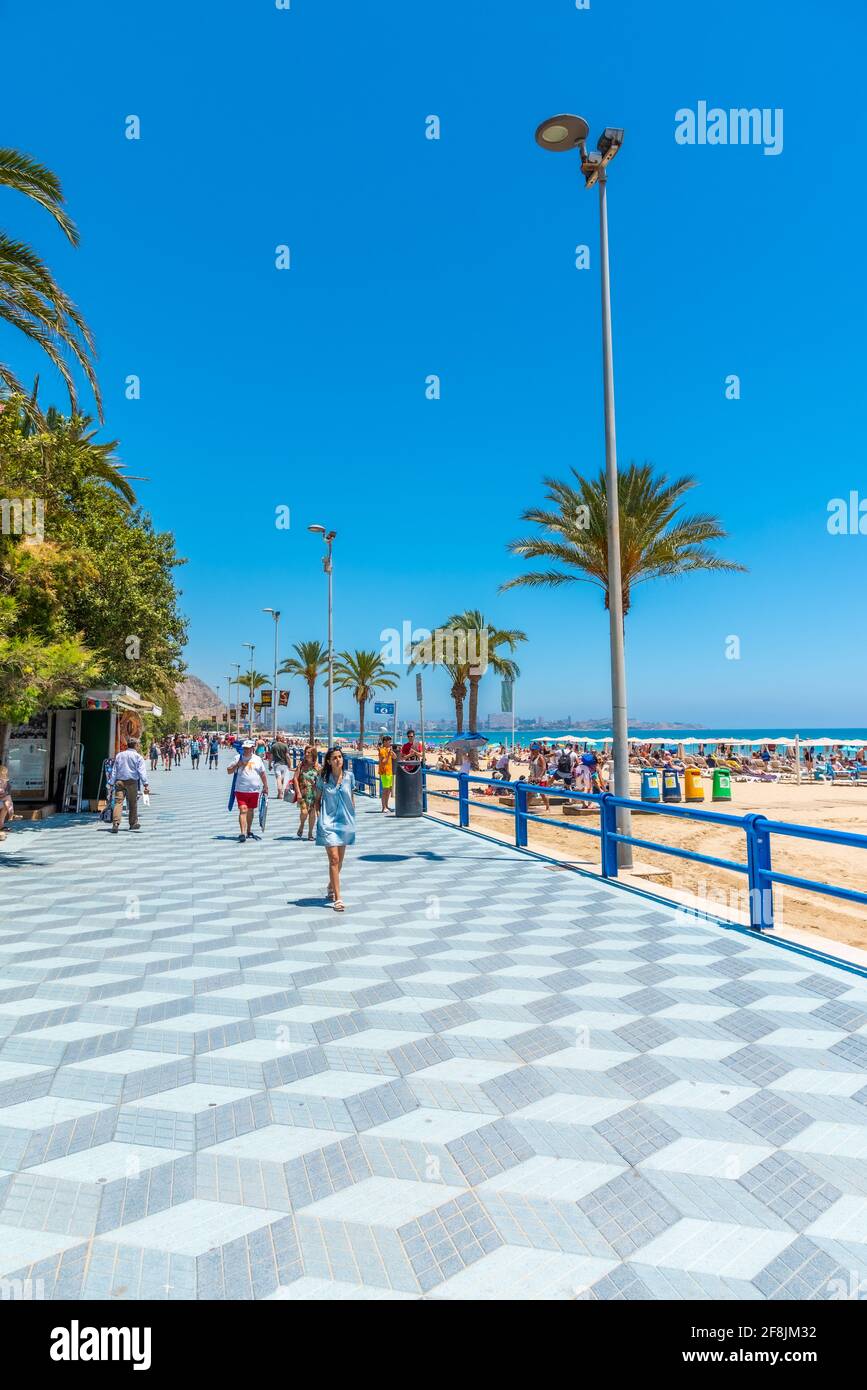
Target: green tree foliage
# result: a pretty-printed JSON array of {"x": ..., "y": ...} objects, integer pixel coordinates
[
  {"x": 87, "y": 582},
  {"x": 364, "y": 673},
  {"x": 30, "y": 298}
]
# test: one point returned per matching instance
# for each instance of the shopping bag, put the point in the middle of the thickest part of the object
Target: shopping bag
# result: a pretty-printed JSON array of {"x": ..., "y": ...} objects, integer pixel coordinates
[
  {"x": 232, "y": 791},
  {"x": 263, "y": 811}
]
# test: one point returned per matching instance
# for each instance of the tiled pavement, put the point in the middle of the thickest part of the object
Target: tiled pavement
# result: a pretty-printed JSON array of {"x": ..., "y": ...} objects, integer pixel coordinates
[{"x": 485, "y": 1080}]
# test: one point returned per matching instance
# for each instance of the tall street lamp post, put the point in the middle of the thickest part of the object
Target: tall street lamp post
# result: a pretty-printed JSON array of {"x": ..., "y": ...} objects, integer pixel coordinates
[
  {"x": 229, "y": 680},
  {"x": 327, "y": 565},
  {"x": 275, "y": 614},
  {"x": 236, "y": 681},
  {"x": 252, "y": 648},
  {"x": 566, "y": 133}
]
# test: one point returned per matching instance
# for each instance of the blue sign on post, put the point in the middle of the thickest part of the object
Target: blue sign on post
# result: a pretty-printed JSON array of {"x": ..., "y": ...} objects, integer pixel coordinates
[{"x": 381, "y": 708}]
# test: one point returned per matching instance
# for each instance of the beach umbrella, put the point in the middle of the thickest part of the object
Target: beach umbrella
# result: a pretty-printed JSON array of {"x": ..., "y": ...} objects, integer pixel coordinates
[{"x": 467, "y": 741}]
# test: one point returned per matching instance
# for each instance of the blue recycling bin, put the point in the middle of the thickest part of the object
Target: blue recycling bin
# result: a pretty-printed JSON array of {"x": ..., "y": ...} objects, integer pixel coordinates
[
  {"x": 671, "y": 790},
  {"x": 650, "y": 784}
]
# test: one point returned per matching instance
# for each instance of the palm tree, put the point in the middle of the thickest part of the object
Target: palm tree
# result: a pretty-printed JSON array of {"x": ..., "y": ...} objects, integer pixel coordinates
[
  {"x": 310, "y": 661},
  {"x": 475, "y": 628},
  {"x": 656, "y": 542},
  {"x": 30, "y": 298},
  {"x": 68, "y": 446},
  {"x": 423, "y": 655},
  {"x": 364, "y": 673}
]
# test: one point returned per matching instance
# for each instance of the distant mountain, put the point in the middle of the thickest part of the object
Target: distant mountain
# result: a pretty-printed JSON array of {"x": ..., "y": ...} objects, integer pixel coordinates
[{"x": 196, "y": 698}]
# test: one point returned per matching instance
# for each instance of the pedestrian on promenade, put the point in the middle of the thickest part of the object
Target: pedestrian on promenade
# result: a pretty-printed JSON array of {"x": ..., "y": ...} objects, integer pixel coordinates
[
  {"x": 213, "y": 752},
  {"x": 168, "y": 753},
  {"x": 129, "y": 775},
  {"x": 304, "y": 784},
  {"x": 386, "y": 771},
  {"x": 7, "y": 808},
  {"x": 195, "y": 752},
  {"x": 280, "y": 763},
  {"x": 335, "y": 828},
  {"x": 410, "y": 752},
  {"x": 539, "y": 772},
  {"x": 178, "y": 749},
  {"x": 250, "y": 782},
  {"x": 154, "y": 754}
]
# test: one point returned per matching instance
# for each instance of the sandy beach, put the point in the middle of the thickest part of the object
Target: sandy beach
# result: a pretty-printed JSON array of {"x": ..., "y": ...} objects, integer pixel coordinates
[{"x": 834, "y": 806}]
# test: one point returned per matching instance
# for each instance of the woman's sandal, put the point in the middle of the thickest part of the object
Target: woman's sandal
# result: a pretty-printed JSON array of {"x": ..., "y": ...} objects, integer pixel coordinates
[
  {"x": 329, "y": 895},
  {"x": 299, "y": 835},
  {"x": 338, "y": 905}
]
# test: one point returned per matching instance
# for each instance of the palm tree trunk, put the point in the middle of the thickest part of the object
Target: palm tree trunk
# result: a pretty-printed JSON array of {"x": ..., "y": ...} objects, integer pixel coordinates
[
  {"x": 474, "y": 715},
  {"x": 312, "y": 693},
  {"x": 361, "y": 705},
  {"x": 459, "y": 712},
  {"x": 474, "y": 703}
]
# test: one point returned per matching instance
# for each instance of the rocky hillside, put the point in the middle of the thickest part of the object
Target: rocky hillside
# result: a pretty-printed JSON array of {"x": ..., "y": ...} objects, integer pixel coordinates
[{"x": 196, "y": 698}]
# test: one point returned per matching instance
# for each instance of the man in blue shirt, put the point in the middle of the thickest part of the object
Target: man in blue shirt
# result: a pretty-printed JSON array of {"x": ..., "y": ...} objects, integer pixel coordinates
[
  {"x": 213, "y": 752},
  {"x": 130, "y": 773}
]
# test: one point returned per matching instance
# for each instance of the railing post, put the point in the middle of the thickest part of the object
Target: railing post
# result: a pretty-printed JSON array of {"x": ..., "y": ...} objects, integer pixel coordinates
[
  {"x": 463, "y": 800},
  {"x": 521, "y": 815},
  {"x": 608, "y": 826},
  {"x": 759, "y": 861}
]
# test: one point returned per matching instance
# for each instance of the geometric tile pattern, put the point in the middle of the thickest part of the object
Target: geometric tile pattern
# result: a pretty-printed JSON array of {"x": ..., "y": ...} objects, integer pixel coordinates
[{"x": 483, "y": 1081}]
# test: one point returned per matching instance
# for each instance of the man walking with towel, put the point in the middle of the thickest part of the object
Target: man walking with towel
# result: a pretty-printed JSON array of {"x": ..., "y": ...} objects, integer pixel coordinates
[{"x": 130, "y": 773}]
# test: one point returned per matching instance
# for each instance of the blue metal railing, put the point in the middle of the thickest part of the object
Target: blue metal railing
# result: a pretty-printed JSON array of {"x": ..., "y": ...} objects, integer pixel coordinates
[{"x": 757, "y": 830}]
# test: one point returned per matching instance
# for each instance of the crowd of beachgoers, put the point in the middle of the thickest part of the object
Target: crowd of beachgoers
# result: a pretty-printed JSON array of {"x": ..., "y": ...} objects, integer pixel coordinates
[{"x": 577, "y": 763}]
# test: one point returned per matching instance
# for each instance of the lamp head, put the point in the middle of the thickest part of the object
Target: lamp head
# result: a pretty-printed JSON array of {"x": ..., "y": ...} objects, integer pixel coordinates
[
  {"x": 562, "y": 133},
  {"x": 320, "y": 529}
]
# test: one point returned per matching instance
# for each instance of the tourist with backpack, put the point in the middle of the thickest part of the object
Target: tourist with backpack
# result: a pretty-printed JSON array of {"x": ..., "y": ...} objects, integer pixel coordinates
[
  {"x": 280, "y": 764},
  {"x": 565, "y": 767}
]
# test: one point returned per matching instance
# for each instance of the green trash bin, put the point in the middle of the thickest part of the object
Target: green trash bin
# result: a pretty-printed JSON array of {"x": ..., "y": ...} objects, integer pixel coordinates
[{"x": 722, "y": 784}]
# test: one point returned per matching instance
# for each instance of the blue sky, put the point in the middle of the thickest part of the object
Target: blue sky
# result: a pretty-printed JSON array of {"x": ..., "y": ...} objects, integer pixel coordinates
[{"x": 306, "y": 387}]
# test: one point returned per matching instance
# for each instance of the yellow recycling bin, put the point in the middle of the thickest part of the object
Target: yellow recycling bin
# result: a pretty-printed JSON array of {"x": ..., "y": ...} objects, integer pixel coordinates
[{"x": 693, "y": 785}]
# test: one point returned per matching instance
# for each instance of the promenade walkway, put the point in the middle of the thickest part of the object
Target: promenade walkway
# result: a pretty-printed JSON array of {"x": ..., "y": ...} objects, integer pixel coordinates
[{"x": 487, "y": 1079}]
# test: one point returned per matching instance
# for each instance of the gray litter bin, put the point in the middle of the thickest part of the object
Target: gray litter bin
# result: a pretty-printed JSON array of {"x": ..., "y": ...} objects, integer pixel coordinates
[{"x": 408, "y": 790}]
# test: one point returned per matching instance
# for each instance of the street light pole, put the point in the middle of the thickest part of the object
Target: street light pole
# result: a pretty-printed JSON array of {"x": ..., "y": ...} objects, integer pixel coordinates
[
  {"x": 275, "y": 614},
  {"x": 567, "y": 133},
  {"x": 252, "y": 647},
  {"x": 237, "y": 682},
  {"x": 229, "y": 680},
  {"x": 330, "y": 572},
  {"x": 619, "y": 720},
  {"x": 328, "y": 566}
]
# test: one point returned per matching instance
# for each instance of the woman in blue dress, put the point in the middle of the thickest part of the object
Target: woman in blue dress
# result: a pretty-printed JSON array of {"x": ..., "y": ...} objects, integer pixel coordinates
[{"x": 335, "y": 826}]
